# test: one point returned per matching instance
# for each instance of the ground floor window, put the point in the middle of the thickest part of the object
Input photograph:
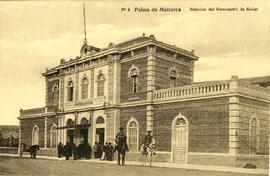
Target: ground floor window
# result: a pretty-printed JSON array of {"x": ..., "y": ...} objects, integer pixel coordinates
[
  {"x": 53, "y": 137},
  {"x": 254, "y": 136},
  {"x": 132, "y": 131},
  {"x": 35, "y": 135}
]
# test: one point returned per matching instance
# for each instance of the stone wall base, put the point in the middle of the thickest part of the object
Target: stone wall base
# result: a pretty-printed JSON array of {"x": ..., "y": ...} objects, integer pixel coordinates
[
  {"x": 211, "y": 159},
  {"x": 9, "y": 150},
  {"x": 260, "y": 161}
]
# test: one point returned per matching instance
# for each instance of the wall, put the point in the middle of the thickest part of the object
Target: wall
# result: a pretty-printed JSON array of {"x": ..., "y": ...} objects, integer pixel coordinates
[
  {"x": 139, "y": 113},
  {"x": 50, "y": 93},
  {"x": 126, "y": 95},
  {"x": 27, "y": 127},
  {"x": 163, "y": 66},
  {"x": 248, "y": 109},
  {"x": 50, "y": 122},
  {"x": 208, "y": 124}
]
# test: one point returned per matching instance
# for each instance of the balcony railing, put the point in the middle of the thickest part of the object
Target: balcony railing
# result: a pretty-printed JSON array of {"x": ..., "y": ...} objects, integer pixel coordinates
[
  {"x": 253, "y": 90},
  {"x": 210, "y": 89}
]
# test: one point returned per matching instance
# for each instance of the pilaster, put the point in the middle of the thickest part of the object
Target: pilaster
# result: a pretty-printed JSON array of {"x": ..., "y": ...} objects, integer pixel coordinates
[
  {"x": 92, "y": 84},
  {"x": 77, "y": 86},
  {"x": 111, "y": 80},
  {"x": 90, "y": 129},
  {"x": 45, "y": 130},
  {"x": 117, "y": 76},
  {"x": 46, "y": 92},
  {"x": 116, "y": 121},
  {"x": 233, "y": 124},
  {"x": 149, "y": 118},
  {"x": 151, "y": 60},
  {"x": 20, "y": 149},
  {"x": 61, "y": 92}
]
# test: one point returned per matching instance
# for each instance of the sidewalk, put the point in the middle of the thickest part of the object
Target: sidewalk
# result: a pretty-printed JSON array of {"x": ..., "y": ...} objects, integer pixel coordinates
[{"x": 165, "y": 165}]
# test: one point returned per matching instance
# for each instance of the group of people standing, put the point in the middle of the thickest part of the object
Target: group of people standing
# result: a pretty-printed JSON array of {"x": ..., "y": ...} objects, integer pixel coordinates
[
  {"x": 99, "y": 150},
  {"x": 104, "y": 152},
  {"x": 83, "y": 150}
]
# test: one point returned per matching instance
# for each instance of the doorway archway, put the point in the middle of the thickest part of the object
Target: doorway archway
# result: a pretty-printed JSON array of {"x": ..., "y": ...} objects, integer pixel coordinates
[
  {"x": 179, "y": 144},
  {"x": 100, "y": 130},
  {"x": 70, "y": 131},
  {"x": 84, "y": 126}
]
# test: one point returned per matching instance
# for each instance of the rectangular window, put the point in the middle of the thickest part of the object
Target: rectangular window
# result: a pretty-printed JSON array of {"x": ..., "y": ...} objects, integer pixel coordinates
[
  {"x": 100, "y": 88},
  {"x": 70, "y": 94},
  {"x": 84, "y": 91}
]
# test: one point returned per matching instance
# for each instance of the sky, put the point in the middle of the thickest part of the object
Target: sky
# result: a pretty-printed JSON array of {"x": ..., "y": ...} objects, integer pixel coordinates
[{"x": 36, "y": 35}]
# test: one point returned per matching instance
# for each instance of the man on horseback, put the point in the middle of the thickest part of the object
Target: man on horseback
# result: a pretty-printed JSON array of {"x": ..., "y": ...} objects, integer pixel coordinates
[
  {"x": 121, "y": 145},
  {"x": 148, "y": 148},
  {"x": 120, "y": 136},
  {"x": 148, "y": 139}
]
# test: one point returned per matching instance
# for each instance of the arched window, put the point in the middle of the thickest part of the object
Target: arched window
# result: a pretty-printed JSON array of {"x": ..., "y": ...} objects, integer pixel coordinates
[
  {"x": 133, "y": 74},
  {"x": 100, "y": 85},
  {"x": 70, "y": 91},
  {"x": 53, "y": 136},
  {"x": 84, "y": 121},
  {"x": 100, "y": 120},
  {"x": 55, "y": 94},
  {"x": 134, "y": 80},
  {"x": 172, "y": 76},
  {"x": 84, "y": 88},
  {"x": 70, "y": 123},
  {"x": 254, "y": 136},
  {"x": 132, "y": 134},
  {"x": 180, "y": 121},
  {"x": 35, "y": 135}
]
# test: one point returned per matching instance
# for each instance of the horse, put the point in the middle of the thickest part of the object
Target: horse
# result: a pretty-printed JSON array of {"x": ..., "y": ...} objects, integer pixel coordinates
[
  {"x": 147, "y": 151},
  {"x": 121, "y": 147}
]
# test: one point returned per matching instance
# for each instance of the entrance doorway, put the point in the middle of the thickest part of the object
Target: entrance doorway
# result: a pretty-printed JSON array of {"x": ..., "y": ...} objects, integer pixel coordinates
[
  {"x": 179, "y": 139},
  {"x": 70, "y": 136},
  {"x": 70, "y": 131},
  {"x": 83, "y": 130},
  {"x": 100, "y": 135},
  {"x": 84, "y": 135},
  {"x": 100, "y": 130}
]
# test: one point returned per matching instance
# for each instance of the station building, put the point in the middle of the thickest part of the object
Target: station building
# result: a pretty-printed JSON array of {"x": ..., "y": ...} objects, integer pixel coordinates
[{"x": 145, "y": 84}]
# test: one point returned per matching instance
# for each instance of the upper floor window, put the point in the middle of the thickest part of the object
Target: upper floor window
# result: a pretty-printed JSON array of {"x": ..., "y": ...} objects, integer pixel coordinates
[
  {"x": 133, "y": 74},
  {"x": 100, "y": 120},
  {"x": 55, "y": 94},
  {"x": 172, "y": 77},
  {"x": 100, "y": 85},
  {"x": 70, "y": 91},
  {"x": 84, "y": 88}
]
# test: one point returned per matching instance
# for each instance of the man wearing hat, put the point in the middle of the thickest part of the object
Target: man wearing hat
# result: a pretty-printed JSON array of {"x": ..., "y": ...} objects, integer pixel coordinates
[
  {"x": 148, "y": 138},
  {"x": 120, "y": 136}
]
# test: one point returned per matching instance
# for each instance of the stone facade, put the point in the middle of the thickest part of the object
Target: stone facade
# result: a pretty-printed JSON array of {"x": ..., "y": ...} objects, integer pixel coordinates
[
  {"x": 208, "y": 124},
  {"x": 144, "y": 84}
]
